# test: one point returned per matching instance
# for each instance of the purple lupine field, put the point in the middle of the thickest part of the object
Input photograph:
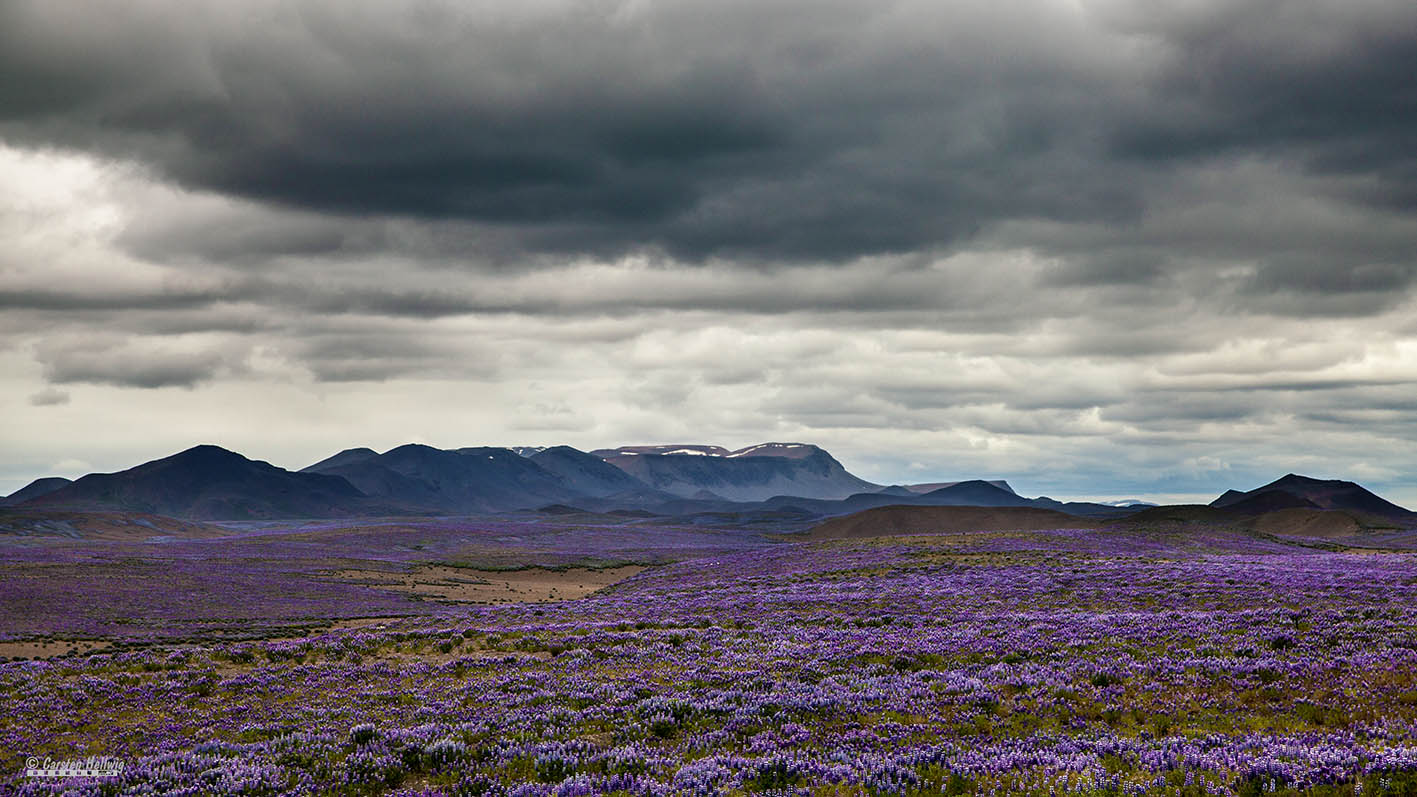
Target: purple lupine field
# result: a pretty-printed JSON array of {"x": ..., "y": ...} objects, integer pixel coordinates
[
  {"x": 1071, "y": 661},
  {"x": 433, "y": 398}
]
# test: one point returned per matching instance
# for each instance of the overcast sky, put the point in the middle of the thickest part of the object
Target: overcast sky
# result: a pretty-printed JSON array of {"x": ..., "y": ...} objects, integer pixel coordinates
[{"x": 1099, "y": 248}]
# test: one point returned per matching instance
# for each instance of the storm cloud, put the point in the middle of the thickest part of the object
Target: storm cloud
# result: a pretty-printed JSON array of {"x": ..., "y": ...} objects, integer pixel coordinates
[{"x": 1148, "y": 246}]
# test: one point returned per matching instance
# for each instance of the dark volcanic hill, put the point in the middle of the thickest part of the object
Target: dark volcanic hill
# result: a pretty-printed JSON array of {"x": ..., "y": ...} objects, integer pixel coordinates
[
  {"x": 35, "y": 489},
  {"x": 1294, "y": 491},
  {"x": 890, "y": 520},
  {"x": 751, "y": 477},
  {"x": 973, "y": 493},
  {"x": 1260, "y": 503},
  {"x": 210, "y": 483},
  {"x": 933, "y": 486}
]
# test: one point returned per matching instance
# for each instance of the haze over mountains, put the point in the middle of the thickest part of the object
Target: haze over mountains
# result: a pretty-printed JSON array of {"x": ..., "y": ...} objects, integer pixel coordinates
[{"x": 765, "y": 483}]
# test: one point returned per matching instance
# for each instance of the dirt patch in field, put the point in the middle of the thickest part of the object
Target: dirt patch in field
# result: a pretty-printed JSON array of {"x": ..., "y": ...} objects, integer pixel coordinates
[
  {"x": 51, "y": 526},
  {"x": 1309, "y": 523},
  {"x": 896, "y": 520},
  {"x": 462, "y": 585},
  {"x": 363, "y": 622},
  {"x": 48, "y": 649}
]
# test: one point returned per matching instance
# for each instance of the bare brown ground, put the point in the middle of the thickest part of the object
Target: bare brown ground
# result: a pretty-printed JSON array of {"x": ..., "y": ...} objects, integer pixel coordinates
[
  {"x": 893, "y": 520},
  {"x": 461, "y": 585},
  {"x": 1309, "y": 523},
  {"x": 50, "y": 526},
  {"x": 47, "y": 649}
]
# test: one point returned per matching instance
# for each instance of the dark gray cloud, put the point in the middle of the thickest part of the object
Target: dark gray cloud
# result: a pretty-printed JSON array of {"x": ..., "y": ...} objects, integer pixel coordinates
[
  {"x": 332, "y": 354},
  {"x": 131, "y": 363},
  {"x": 1158, "y": 245},
  {"x": 1320, "y": 82},
  {"x": 798, "y": 131}
]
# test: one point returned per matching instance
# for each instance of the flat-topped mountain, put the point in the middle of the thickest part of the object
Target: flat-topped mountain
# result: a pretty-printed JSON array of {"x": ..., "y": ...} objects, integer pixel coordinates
[
  {"x": 787, "y": 450},
  {"x": 755, "y": 473},
  {"x": 689, "y": 450}
]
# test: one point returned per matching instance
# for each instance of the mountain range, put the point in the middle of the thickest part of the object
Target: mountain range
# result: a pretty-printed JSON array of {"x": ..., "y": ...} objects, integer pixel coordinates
[
  {"x": 761, "y": 484},
  {"x": 210, "y": 483}
]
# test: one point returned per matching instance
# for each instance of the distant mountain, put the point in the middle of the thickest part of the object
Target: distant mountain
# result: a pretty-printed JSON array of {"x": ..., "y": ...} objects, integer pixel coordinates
[
  {"x": 374, "y": 478},
  {"x": 699, "y": 472},
  {"x": 1128, "y": 502},
  {"x": 210, "y": 483},
  {"x": 974, "y": 493},
  {"x": 465, "y": 480},
  {"x": 527, "y": 451},
  {"x": 758, "y": 483},
  {"x": 969, "y": 493},
  {"x": 35, "y": 489},
  {"x": 585, "y": 473},
  {"x": 933, "y": 486},
  {"x": 1302, "y": 492},
  {"x": 349, "y": 456}
]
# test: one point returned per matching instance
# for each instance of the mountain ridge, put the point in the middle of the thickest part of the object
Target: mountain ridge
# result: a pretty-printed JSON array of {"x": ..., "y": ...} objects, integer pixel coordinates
[{"x": 209, "y": 482}]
